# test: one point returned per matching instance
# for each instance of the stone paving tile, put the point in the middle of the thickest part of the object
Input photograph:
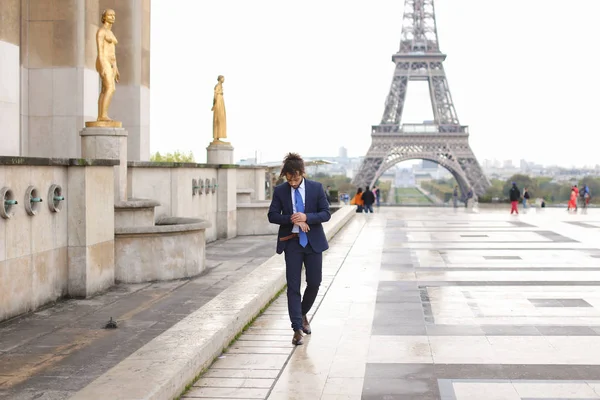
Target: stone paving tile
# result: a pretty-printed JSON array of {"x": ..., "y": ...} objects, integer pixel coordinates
[
  {"x": 54, "y": 352},
  {"x": 435, "y": 304}
]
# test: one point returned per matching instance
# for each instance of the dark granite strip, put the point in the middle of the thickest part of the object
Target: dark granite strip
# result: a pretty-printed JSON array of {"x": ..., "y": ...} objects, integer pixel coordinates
[
  {"x": 425, "y": 381},
  {"x": 506, "y": 283},
  {"x": 558, "y": 398},
  {"x": 583, "y": 224},
  {"x": 480, "y": 249},
  {"x": 567, "y": 331},
  {"x": 402, "y": 381},
  {"x": 522, "y": 224},
  {"x": 446, "y": 269},
  {"x": 483, "y": 371},
  {"x": 492, "y": 242},
  {"x": 502, "y": 258},
  {"x": 559, "y": 303},
  {"x": 472, "y": 304},
  {"x": 556, "y": 237},
  {"x": 494, "y": 330}
]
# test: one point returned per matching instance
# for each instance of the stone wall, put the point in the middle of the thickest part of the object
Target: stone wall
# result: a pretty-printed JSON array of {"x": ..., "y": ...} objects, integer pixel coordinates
[
  {"x": 65, "y": 247},
  {"x": 171, "y": 184},
  {"x": 252, "y": 178}
]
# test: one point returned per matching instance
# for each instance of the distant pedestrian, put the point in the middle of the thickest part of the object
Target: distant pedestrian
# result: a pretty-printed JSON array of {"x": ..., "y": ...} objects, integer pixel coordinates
[
  {"x": 572, "y": 200},
  {"x": 469, "y": 197},
  {"x": 455, "y": 196},
  {"x": 358, "y": 201},
  {"x": 377, "y": 195},
  {"x": 514, "y": 195},
  {"x": 587, "y": 195},
  {"x": 368, "y": 198},
  {"x": 526, "y": 197}
]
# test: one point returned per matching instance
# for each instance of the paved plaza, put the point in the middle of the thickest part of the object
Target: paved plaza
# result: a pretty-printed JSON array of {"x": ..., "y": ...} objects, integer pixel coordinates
[{"x": 435, "y": 303}]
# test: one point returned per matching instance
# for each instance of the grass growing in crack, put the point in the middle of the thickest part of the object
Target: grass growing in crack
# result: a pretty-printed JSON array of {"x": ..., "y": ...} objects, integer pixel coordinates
[
  {"x": 225, "y": 350},
  {"x": 249, "y": 324}
]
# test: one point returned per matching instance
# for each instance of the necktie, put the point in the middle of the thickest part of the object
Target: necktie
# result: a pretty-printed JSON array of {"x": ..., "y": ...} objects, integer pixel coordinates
[{"x": 300, "y": 208}]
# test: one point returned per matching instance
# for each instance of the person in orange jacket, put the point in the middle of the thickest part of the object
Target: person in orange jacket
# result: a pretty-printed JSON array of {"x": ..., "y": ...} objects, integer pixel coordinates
[{"x": 357, "y": 199}]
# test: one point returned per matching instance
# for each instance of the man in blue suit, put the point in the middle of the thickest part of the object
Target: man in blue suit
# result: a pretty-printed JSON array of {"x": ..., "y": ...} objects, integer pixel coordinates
[{"x": 299, "y": 206}]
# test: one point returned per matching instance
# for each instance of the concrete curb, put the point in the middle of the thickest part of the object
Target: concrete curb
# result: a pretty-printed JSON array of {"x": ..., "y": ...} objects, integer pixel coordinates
[{"x": 162, "y": 368}]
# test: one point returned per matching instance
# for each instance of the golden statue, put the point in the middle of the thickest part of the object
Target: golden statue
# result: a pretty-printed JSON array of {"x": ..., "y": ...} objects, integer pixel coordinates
[
  {"x": 219, "y": 117},
  {"x": 106, "y": 65}
]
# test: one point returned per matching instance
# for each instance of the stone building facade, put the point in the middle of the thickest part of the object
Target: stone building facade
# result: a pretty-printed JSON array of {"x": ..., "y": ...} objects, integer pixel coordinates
[{"x": 48, "y": 82}]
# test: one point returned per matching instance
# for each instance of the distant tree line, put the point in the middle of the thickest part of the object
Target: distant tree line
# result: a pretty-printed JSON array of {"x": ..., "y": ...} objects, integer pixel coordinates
[
  {"x": 541, "y": 187},
  {"x": 538, "y": 187},
  {"x": 177, "y": 156}
]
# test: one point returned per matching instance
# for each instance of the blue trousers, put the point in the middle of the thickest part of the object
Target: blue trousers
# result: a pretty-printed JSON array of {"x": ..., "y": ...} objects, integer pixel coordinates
[{"x": 295, "y": 256}]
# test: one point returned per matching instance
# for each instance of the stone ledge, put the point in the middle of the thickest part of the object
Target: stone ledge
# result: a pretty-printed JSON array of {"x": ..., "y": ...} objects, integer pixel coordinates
[
  {"x": 255, "y": 204},
  {"x": 57, "y": 162},
  {"x": 160, "y": 164},
  {"x": 103, "y": 131},
  {"x": 166, "y": 225},
  {"x": 137, "y": 203},
  {"x": 163, "y": 367}
]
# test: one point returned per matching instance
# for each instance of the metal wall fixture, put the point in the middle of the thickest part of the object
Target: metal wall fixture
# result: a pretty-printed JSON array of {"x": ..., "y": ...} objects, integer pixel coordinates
[
  {"x": 8, "y": 201},
  {"x": 207, "y": 186},
  {"x": 195, "y": 187},
  {"x": 32, "y": 200},
  {"x": 214, "y": 185},
  {"x": 55, "y": 198}
]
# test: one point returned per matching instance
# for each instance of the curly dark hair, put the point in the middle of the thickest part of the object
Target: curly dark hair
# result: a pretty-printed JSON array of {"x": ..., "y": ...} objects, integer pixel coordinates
[{"x": 292, "y": 164}]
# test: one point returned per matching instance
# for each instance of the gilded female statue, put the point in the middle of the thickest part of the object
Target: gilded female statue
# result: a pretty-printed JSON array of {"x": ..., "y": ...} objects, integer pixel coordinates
[
  {"x": 106, "y": 63},
  {"x": 218, "y": 108}
]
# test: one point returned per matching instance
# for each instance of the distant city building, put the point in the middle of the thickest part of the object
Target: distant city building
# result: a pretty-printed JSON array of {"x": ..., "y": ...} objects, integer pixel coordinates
[
  {"x": 247, "y": 161},
  {"x": 524, "y": 165},
  {"x": 343, "y": 153}
]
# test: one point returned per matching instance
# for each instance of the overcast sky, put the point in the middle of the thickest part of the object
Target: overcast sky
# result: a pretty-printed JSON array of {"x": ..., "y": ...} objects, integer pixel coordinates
[{"x": 312, "y": 76}]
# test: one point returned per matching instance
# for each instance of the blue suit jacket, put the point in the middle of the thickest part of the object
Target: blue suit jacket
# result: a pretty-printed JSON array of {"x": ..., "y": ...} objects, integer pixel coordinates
[{"x": 316, "y": 208}]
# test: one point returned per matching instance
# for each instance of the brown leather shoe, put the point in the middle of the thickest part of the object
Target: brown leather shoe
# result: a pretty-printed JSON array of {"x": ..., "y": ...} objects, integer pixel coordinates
[
  {"x": 305, "y": 325},
  {"x": 297, "y": 339}
]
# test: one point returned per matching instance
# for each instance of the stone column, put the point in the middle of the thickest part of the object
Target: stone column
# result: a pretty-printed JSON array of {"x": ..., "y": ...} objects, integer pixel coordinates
[
  {"x": 10, "y": 28},
  {"x": 131, "y": 102},
  {"x": 219, "y": 153},
  {"x": 108, "y": 144},
  {"x": 91, "y": 229},
  {"x": 226, "y": 203}
]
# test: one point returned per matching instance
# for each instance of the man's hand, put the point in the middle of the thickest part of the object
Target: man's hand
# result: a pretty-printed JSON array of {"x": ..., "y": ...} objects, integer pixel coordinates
[
  {"x": 298, "y": 217},
  {"x": 304, "y": 226}
]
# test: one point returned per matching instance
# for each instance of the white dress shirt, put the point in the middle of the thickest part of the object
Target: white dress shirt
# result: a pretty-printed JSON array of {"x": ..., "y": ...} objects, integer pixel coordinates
[{"x": 302, "y": 190}]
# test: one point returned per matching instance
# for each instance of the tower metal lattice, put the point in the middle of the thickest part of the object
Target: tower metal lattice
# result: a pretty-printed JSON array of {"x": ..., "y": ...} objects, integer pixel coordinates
[{"x": 443, "y": 140}]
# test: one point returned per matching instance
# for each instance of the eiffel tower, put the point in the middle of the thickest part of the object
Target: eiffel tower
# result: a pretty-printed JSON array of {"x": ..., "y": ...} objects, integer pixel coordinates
[{"x": 444, "y": 140}]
